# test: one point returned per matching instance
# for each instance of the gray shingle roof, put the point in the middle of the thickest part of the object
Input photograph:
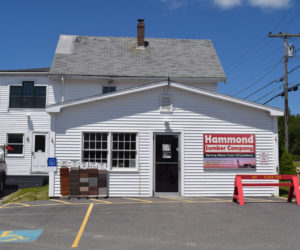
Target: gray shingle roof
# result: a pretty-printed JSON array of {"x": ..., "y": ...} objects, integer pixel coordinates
[{"x": 119, "y": 57}]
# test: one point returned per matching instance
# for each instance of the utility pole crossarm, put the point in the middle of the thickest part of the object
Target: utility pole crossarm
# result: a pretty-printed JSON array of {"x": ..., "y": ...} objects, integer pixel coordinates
[{"x": 283, "y": 35}]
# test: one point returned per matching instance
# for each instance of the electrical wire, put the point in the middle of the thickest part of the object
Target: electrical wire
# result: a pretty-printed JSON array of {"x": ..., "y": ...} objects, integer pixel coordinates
[
  {"x": 270, "y": 83},
  {"x": 269, "y": 93},
  {"x": 231, "y": 68},
  {"x": 289, "y": 89},
  {"x": 259, "y": 79}
]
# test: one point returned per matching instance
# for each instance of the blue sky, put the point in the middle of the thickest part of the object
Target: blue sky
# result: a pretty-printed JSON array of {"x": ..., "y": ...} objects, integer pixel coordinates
[{"x": 238, "y": 29}]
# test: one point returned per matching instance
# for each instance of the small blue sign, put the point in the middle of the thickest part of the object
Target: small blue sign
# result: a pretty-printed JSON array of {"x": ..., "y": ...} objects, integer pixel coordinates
[
  {"x": 19, "y": 235},
  {"x": 52, "y": 162}
]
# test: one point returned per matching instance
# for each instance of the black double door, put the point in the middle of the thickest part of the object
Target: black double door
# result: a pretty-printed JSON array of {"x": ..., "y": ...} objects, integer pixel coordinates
[{"x": 166, "y": 163}]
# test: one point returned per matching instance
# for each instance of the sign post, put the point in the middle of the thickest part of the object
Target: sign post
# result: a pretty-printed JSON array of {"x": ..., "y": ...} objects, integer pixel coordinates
[{"x": 52, "y": 167}]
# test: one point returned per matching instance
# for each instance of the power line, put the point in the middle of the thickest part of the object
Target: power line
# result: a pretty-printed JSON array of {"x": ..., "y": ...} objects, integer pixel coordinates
[
  {"x": 256, "y": 65},
  {"x": 293, "y": 88},
  {"x": 267, "y": 85},
  {"x": 258, "y": 80},
  {"x": 231, "y": 68},
  {"x": 270, "y": 83},
  {"x": 269, "y": 93}
]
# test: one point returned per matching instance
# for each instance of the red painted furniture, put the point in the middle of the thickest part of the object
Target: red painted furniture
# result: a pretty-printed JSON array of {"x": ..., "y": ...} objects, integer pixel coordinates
[{"x": 238, "y": 186}]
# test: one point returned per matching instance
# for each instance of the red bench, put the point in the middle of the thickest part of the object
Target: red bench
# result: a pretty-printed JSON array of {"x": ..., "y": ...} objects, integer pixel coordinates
[{"x": 293, "y": 184}]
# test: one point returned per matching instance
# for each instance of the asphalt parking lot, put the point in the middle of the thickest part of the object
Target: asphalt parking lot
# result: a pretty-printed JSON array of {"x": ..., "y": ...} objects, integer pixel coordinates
[{"x": 150, "y": 223}]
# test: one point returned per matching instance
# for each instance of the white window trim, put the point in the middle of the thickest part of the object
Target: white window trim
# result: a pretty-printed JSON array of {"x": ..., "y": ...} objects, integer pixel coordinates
[
  {"x": 136, "y": 168},
  {"x": 20, "y": 84},
  {"x": 82, "y": 145},
  {"x": 15, "y": 155},
  {"x": 109, "y": 149}
]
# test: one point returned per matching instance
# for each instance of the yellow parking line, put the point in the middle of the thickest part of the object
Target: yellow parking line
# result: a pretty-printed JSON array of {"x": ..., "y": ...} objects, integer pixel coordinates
[
  {"x": 65, "y": 202},
  {"x": 176, "y": 199},
  {"x": 258, "y": 199},
  {"x": 79, "y": 234},
  {"x": 284, "y": 198},
  {"x": 6, "y": 204},
  {"x": 213, "y": 199},
  {"x": 136, "y": 199},
  {"x": 21, "y": 204},
  {"x": 101, "y": 201}
]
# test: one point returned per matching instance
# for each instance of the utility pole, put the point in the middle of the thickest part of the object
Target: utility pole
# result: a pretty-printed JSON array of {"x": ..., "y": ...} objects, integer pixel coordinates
[{"x": 285, "y": 36}]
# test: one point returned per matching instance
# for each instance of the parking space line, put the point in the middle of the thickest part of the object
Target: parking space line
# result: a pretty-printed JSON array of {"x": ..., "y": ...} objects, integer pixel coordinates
[
  {"x": 6, "y": 204},
  {"x": 79, "y": 234},
  {"x": 21, "y": 204},
  {"x": 176, "y": 199},
  {"x": 208, "y": 198},
  {"x": 65, "y": 202},
  {"x": 101, "y": 201},
  {"x": 258, "y": 199},
  {"x": 136, "y": 199}
]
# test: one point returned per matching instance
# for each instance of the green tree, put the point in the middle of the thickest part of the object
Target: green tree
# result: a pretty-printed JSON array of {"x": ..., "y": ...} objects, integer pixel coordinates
[
  {"x": 286, "y": 163},
  {"x": 294, "y": 135}
]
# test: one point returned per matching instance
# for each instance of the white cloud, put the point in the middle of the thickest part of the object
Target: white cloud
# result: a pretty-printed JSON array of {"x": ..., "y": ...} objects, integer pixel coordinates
[
  {"x": 270, "y": 4},
  {"x": 175, "y": 4},
  {"x": 227, "y": 4}
]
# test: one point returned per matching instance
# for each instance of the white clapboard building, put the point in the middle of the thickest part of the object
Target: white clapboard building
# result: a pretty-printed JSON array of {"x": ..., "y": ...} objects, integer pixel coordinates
[{"x": 146, "y": 109}]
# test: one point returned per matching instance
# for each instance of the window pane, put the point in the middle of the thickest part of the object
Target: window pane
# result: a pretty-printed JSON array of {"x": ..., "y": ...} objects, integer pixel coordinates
[
  {"x": 40, "y": 102},
  {"x": 40, "y": 143},
  {"x": 15, "y": 138},
  {"x": 18, "y": 149},
  {"x": 16, "y": 91},
  {"x": 15, "y": 98},
  {"x": 28, "y": 89},
  {"x": 124, "y": 153},
  {"x": 15, "y": 141},
  {"x": 92, "y": 147},
  {"x": 108, "y": 89},
  {"x": 28, "y": 102},
  {"x": 40, "y": 91}
]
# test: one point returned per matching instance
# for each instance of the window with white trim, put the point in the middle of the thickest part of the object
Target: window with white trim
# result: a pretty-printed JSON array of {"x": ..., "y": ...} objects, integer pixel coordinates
[
  {"x": 124, "y": 151},
  {"x": 15, "y": 143},
  {"x": 27, "y": 95},
  {"x": 95, "y": 147}
]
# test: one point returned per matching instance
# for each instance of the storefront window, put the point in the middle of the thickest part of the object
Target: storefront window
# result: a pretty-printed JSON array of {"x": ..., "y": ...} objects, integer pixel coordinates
[
  {"x": 95, "y": 147},
  {"x": 124, "y": 150}
]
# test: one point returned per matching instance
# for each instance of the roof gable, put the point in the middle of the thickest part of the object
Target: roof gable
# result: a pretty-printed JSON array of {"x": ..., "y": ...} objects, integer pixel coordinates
[
  {"x": 56, "y": 108},
  {"x": 119, "y": 57}
]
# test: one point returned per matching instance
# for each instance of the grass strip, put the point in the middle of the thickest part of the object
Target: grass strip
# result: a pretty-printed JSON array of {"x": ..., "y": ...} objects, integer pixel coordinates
[{"x": 29, "y": 194}]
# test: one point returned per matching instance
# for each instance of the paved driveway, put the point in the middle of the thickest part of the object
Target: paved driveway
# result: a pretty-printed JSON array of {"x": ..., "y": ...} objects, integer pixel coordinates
[{"x": 150, "y": 223}]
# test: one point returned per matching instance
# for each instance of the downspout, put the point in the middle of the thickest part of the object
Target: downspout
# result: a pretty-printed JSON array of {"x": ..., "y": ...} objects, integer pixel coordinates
[{"x": 62, "y": 89}]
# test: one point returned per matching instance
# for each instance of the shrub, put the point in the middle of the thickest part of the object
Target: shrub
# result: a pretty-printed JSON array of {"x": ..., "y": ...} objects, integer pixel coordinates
[{"x": 286, "y": 163}]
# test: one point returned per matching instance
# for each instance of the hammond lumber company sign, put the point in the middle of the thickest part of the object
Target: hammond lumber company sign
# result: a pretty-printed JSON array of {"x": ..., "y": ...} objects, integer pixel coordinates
[{"x": 229, "y": 151}]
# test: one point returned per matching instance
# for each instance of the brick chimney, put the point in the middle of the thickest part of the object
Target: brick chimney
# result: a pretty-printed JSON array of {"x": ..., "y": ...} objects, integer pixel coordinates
[{"x": 141, "y": 33}]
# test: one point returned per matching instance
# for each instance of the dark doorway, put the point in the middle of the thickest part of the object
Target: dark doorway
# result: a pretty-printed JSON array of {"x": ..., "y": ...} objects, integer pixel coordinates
[{"x": 166, "y": 163}]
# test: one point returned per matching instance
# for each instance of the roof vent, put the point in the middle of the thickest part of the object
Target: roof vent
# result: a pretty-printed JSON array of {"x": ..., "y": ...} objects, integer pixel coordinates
[
  {"x": 166, "y": 104},
  {"x": 141, "y": 33}
]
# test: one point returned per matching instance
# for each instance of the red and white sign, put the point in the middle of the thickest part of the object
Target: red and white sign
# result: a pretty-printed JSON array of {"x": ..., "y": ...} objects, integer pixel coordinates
[{"x": 229, "y": 143}]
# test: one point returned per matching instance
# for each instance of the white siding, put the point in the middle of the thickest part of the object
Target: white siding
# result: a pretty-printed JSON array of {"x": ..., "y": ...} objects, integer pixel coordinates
[
  {"x": 16, "y": 121},
  {"x": 24, "y": 121},
  {"x": 74, "y": 89},
  {"x": 194, "y": 115}
]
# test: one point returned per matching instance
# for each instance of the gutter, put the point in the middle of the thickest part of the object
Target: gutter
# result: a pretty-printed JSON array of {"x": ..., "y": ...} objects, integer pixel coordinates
[
  {"x": 24, "y": 73},
  {"x": 150, "y": 78}
]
